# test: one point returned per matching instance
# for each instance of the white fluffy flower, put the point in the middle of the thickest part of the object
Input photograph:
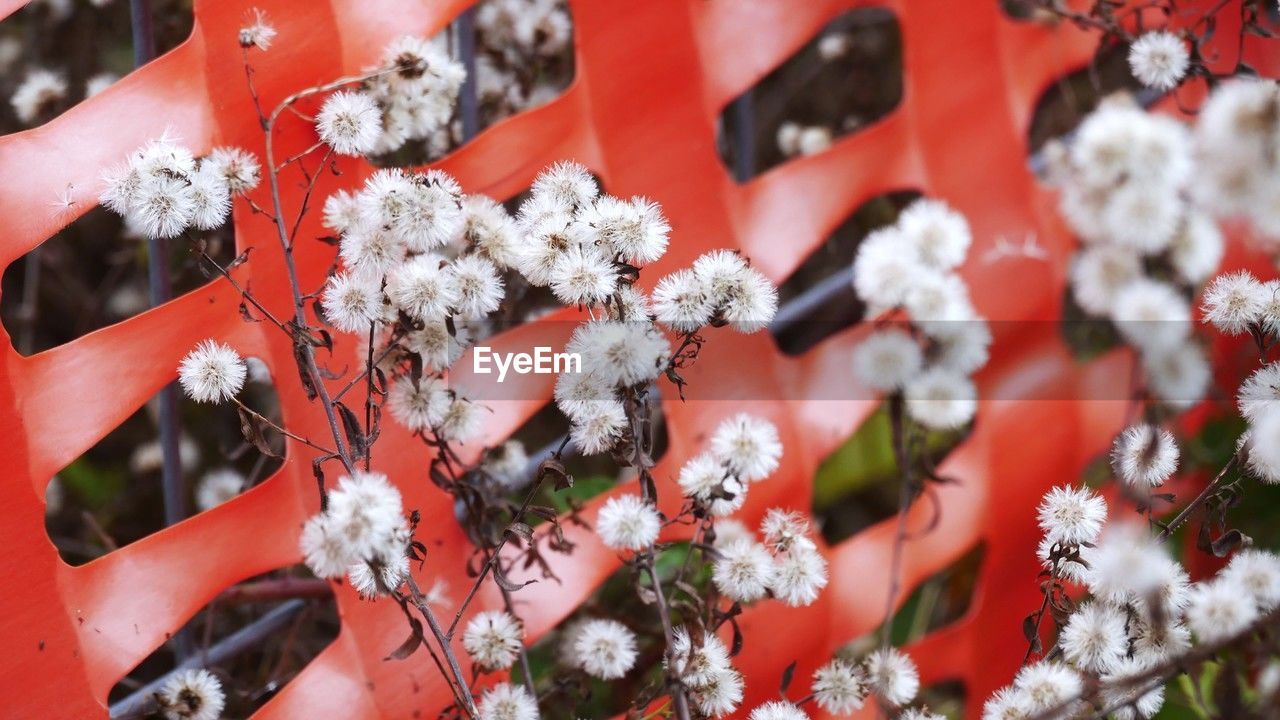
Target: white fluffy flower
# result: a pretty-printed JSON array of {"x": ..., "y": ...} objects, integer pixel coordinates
[
  {"x": 1128, "y": 702},
  {"x": 892, "y": 676},
  {"x": 1046, "y": 685},
  {"x": 1144, "y": 456},
  {"x": 349, "y": 122},
  {"x": 702, "y": 477},
  {"x": 1196, "y": 248},
  {"x": 748, "y": 445},
  {"x": 941, "y": 399},
  {"x": 885, "y": 268},
  {"x": 418, "y": 408},
  {"x": 597, "y": 431},
  {"x": 238, "y": 168},
  {"x": 488, "y": 228},
  {"x": 212, "y": 372},
  {"x": 604, "y": 648},
  {"x": 939, "y": 234},
  {"x": 839, "y": 687},
  {"x": 778, "y": 710},
  {"x": 372, "y": 250},
  {"x": 1233, "y": 302},
  {"x": 1260, "y": 393},
  {"x": 582, "y": 276},
  {"x": 1007, "y": 704},
  {"x": 341, "y": 212},
  {"x": 783, "y": 529},
  {"x": 163, "y": 206},
  {"x": 258, "y": 33},
  {"x": 1126, "y": 566},
  {"x": 462, "y": 420},
  {"x": 191, "y": 694},
  {"x": 1157, "y": 643},
  {"x": 1095, "y": 637},
  {"x": 627, "y": 522},
  {"x": 750, "y": 303},
  {"x": 1159, "y": 59},
  {"x": 479, "y": 287},
  {"x": 1142, "y": 216},
  {"x": 1258, "y": 573},
  {"x": 432, "y": 213},
  {"x": 1264, "y": 447},
  {"x": 887, "y": 360},
  {"x": 1179, "y": 377},
  {"x": 218, "y": 486},
  {"x": 366, "y": 513},
  {"x": 39, "y": 94},
  {"x": 493, "y": 639},
  {"x": 744, "y": 571},
  {"x": 646, "y": 238},
  {"x": 681, "y": 302},
  {"x": 508, "y": 463},
  {"x": 1071, "y": 516},
  {"x": 964, "y": 347},
  {"x": 325, "y": 552},
  {"x": 352, "y": 302},
  {"x": 438, "y": 347},
  {"x": 1220, "y": 609},
  {"x": 1098, "y": 273},
  {"x": 799, "y": 574},
  {"x": 620, "y": 353},
  {"x": 505, "y": 701},
  {"x": 379, "y": 577},
  {"x": 568, "y": 183},
  {"x": 581, "y": 396},
  {"x": 423, "y": 288},
  {"x": 1152, "y": 315},
  {"x": 720, "y": 693}
]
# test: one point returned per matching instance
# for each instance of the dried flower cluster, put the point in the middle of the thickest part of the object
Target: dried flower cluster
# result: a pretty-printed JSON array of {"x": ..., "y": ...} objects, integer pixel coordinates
[
  {"x": 162, "y": 190},
  {"x": 910, "y": 266}
]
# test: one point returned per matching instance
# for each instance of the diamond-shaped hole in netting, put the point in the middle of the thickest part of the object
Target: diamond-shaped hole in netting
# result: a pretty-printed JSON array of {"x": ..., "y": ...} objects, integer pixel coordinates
[
  {"x": 940, "y": 600},
  {"x": 111, "y": 495},
  {"x": 858, "y": 484},
  {"x": 857, "y": 57},
  {"x": 84, "y": 44},
  {"x": 92, "y": 274},
  {"x": 820, "y": 291},
  {"x": 292, "y": 617}
]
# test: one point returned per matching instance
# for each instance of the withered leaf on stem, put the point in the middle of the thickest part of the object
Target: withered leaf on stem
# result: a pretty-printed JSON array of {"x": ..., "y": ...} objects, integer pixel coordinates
[
  {"x": 410, "y": 644},
  {"x": 1031, "y": 632},
  {"x": 251, "y": 429},
  {"x": 355, "y": 435},
  {"x": 519, "y": 532},
  {"x": 504, "y": 582},
  {"x": 300, "y": 359},
  {"x": 787, "y": 676},
  {"x": 554, "y": 469}
]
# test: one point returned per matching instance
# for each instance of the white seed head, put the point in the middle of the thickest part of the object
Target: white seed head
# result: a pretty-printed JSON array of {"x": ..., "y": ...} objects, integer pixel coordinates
[
  {"x": 191, "y": 694},
  {"x": 1159, "y": 59},
  {"x": 493, "y": 639},
  {"x": 212, "y": 372},
  {"x": 1144, "y": 456},
  {"x": 626, "y": 522},
  {"x": 349, "y": 122}
]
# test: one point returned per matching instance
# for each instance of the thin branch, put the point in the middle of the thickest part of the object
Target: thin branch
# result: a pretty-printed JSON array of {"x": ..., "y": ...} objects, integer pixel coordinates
[{"x": 443, "y": 640}]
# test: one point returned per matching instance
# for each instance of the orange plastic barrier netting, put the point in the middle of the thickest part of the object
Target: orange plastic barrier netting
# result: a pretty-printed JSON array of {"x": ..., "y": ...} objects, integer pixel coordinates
[{"x": 652, "y": 77}]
